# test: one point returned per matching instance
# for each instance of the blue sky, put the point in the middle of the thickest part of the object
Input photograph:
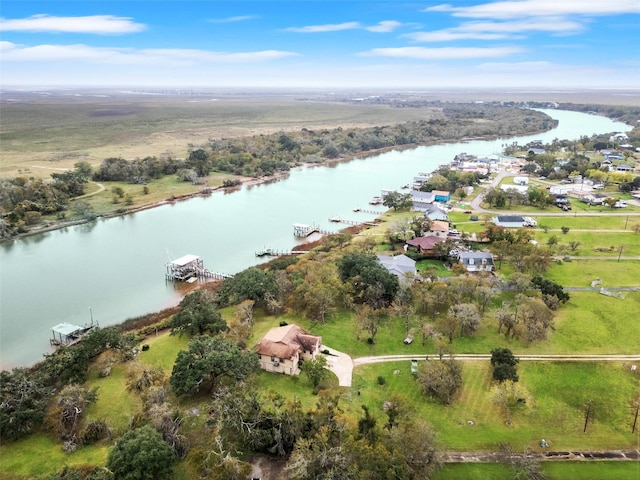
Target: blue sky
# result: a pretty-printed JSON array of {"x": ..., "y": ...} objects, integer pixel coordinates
[{"x": 332, "y": 44}]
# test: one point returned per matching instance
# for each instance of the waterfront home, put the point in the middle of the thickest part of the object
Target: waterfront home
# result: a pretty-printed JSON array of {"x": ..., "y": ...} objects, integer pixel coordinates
[
  {"x": 441, "y": 196},
  {"x": 434, "y": 212},
  {"x": 421, "y": 200},
  {"x": 283, "y": 349}
]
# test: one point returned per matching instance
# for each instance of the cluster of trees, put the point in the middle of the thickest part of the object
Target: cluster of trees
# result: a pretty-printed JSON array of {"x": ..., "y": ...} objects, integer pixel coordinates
[
  {"x": 138, "y": 171},
  {"x": 26, "y": 393},
  {"x": 451, "y": 180},
  {"x": 26, "y": 200},
  {"x": 322, "y": 443},
  {"x": 265, "y": 154}
]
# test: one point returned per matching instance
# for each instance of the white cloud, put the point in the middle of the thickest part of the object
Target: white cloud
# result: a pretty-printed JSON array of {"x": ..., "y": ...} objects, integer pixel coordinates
[
  {"x": 239, "y": 18},
  {"x": 96, "y": 24},
  {"x": 127, "y": 56},
  {"x": 446, "y": 53},
  {"x": 384, "y": 26},
  {"x": 498, "y": 30},
  {"x": 529, "y": 8},
  {"x": 335, "y": 27}
]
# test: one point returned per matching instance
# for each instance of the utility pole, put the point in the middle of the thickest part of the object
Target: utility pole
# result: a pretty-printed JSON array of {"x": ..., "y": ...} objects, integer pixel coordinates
[{"x": 620, "y": 251}]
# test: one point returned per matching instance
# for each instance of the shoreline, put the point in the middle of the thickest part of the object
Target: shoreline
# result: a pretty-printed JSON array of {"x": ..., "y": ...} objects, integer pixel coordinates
[{"x": 53, "y": 225}]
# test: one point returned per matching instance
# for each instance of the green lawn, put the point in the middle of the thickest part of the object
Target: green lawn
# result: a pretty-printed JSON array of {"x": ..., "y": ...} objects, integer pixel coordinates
[
  {"x": 594, "y": 244},
  {"x": 580, "y": 273},
  {"x": 559, "y": 392},
  {"x": 554, "y": 471},
  {"x": 38, "y": 454},
  {"x": 588, "y": 223}
]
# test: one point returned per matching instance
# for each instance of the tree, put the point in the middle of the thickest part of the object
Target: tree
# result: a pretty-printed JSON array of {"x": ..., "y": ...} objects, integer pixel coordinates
[
  {"x": 23, "y": 400},
  {"x": 442, "y": 378},
  {"x": 506, "y": 319},
  {"x": 369, "y": 282},
  {"x": 141, "y": 454},
  {"x": 250, "y": 284},
  {"x": 69, "y": 410},
  {"x": 315, "y": 370},
  {"x": 504, "y": 365},
  {"x": 368, "y": 320},
  {"x": 536, "y": 319},
  {"x": 525, "y": 466},
  {"x": 318, "y": 294},
  {"x": 206, "y": 360},
  {"x": 467, "y": 317},
  {"x": 198, "y": 315},
  {"x": 397, "y": 200}
]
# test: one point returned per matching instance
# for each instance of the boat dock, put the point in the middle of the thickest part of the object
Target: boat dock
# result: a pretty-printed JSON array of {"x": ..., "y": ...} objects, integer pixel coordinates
[
  {"x": 371, "y": 212},
  {"x": 272, "y": 252},
  {"x": 302, "y": 230},
  {"x": 190, "y": 268},
  {"x": 65, "y": 334}
]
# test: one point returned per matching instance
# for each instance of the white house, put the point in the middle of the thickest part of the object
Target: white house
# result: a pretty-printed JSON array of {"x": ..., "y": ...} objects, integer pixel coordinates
[{"x": 477, "y": 261}]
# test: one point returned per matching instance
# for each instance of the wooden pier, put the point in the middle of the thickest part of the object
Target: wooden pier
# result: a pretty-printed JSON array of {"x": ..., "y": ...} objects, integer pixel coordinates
[
  {"x": 345, "y": 221},
  {"x": 190, "y": 268},
  {"x": 272, "y": 252},
  {"x": 302, "y": 230},
  {"x": 364, "y": 210}
]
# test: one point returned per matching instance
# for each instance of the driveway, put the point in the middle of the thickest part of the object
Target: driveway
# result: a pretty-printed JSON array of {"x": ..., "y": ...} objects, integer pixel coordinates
[{"x": 341, "y": 364}]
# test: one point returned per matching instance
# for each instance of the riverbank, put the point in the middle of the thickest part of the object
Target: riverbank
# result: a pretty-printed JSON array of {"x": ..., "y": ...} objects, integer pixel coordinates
[{"x": 53, "y": 224}]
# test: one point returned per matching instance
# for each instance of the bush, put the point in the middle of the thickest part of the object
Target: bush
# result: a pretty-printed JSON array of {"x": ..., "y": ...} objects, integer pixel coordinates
[{"x": 381, "y": 380}]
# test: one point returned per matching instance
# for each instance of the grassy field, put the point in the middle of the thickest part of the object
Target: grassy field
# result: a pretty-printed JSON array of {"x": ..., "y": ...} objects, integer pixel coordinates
[
  {"x": 553, "y": 470},
  {"x": 559, "y": 392},
  {"x": 56, "y": 132}
]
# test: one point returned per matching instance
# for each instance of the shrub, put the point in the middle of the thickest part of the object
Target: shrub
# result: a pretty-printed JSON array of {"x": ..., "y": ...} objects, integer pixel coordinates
[{"x": 381, "y": 380}]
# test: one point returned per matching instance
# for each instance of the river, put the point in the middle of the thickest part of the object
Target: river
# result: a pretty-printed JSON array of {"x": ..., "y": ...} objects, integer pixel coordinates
[{"x": 114, "y": 269}]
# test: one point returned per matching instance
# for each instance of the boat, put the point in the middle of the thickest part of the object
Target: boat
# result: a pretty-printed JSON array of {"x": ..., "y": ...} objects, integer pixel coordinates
[
  {"x": 335, "y": 219},
  {"x": 375, "y": 201}
]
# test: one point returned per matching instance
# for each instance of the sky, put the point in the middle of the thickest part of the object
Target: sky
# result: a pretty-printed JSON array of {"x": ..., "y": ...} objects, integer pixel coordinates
[{"x": 320, "y": 43}]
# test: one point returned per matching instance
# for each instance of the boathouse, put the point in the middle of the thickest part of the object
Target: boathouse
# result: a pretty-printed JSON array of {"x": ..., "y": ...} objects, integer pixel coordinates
[
  {"x": 66, "y": 333},
  {"x": 185, "y": 268}
]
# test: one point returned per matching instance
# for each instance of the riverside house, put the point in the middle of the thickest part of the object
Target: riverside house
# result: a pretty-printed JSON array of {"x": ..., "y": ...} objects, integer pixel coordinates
[{"x": 283, "y": 349}]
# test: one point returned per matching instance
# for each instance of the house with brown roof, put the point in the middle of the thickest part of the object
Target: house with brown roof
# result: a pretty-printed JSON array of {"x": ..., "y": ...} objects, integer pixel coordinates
[
  {"x": 283, "y": 349},
  {"x": 426, "y": 245},
  {"x": 439, "y": 228}
]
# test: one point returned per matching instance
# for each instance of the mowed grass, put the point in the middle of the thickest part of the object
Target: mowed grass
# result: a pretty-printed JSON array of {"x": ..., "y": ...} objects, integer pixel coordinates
[
  {"x": 580, "y": 273},
  {"x": 604, "y": 222},
  {"x": 559, "y": 390},
  {"x": 564, "y": 470},
  {"x": 594, "y": 323},
  {"x": 595, "y": 244}
]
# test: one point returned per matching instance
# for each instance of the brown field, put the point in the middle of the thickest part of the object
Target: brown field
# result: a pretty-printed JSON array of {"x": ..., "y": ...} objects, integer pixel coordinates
[{"x": 41, "y": 132}]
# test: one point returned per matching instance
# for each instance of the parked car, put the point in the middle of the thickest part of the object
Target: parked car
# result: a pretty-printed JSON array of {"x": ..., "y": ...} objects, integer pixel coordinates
[
  {"x": 453, "y": 231},
  {"x": 598, "y": 187},
  {"x": 620, "y": 204}
]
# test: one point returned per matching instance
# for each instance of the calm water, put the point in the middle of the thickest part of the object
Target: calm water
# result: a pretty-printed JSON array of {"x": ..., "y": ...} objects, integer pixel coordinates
[{"x": 116, "y": 267}]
